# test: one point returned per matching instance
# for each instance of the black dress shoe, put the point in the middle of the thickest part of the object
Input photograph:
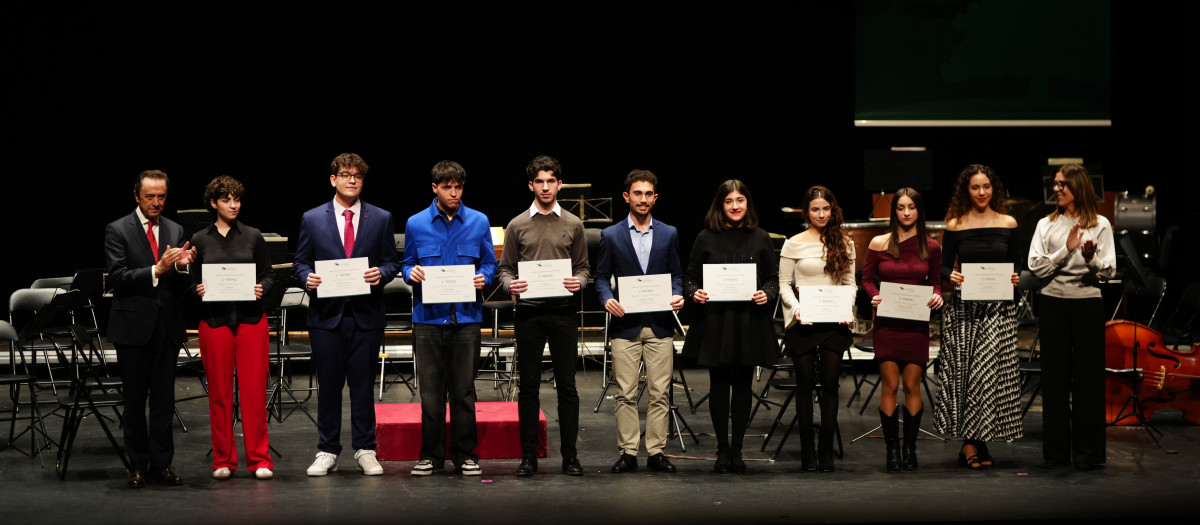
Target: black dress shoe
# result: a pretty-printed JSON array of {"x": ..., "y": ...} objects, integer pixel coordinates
[
  {"x": 571, "y": 467},
  {"x": 660, "y": 463},
  {"x": 528, "y": 466},
  {"x": 825, "y": 461},
  {"x": 626, "y": 463},
  {"x": 137, "y": 478},
  {"x": 166, "y": 476}
]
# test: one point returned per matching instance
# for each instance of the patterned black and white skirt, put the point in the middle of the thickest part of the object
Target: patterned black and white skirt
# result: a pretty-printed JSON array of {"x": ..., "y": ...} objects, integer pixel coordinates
[{"x": 980, "y": 396}]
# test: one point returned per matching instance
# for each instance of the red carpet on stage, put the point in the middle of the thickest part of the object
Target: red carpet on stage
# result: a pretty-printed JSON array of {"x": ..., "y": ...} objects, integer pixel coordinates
[{"x": 398, "y": 431}]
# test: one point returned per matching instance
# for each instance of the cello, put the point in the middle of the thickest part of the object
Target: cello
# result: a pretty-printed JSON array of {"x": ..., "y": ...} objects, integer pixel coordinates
[{"x": 1163, "y": 377}]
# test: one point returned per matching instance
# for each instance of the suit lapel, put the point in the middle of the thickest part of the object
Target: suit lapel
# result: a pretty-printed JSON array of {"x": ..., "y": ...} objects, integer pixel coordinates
[
  {"x": 658, "y": 245},
  {"x": 363, "y": 223},
  {"x": 139, "y": 232},
  {"x": 627, "y": 243},
  {"x": 332, "y": 223}
]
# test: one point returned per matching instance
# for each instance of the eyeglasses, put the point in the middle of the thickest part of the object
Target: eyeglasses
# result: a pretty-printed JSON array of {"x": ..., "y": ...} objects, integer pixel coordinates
[
  {"x": 1060, "y": 184},
  {"x": 345, "y": 175}
]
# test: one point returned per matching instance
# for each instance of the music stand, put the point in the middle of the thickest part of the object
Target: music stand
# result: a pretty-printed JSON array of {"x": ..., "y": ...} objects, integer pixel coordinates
[
  {"x": 676, "y": 421},
  {"x": 1141, "y": 281},
  {"x": 33, "y": 330}
]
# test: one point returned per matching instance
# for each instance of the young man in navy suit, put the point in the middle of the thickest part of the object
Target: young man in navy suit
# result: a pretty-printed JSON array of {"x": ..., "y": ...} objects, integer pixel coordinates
[
  {"x": 146, "y": 258},
  {"x": 640, "y": 245},
  {"x": 346, "y": 331}
]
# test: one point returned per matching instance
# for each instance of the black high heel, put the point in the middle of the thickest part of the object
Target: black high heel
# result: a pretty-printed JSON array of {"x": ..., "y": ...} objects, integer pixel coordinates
[
  {"x": 985, "y": 457},
  {"x": 972, "y": 462}
]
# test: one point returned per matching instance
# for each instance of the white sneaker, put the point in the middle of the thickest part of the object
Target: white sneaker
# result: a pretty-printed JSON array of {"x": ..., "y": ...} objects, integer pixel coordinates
[
  {"x": 367, "y": 462},
  {"x": 264, "y": 473},
  {"x": 470, "y": 468},
  {"x": 324, "y": 463},
  {"x": 423, "y": 468},
  {"x": 222, "y": 473}
]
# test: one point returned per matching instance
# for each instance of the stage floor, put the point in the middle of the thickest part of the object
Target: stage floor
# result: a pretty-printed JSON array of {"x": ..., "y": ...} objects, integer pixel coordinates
[{"x": 1140, "y": 481}]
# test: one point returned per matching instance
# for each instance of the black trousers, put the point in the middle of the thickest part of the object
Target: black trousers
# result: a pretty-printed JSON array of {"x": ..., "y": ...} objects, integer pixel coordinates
[
  {"x": 447, "y": 361},
  {"x": 1072, "y": 333},
  {"x": 345, "y": 355},
  {"x": 148, "y": 372},
  {"x": 535, "y": 328}
]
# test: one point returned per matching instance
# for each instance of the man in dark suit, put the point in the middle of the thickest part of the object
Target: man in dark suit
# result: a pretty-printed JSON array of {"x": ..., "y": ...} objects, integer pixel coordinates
[
  {"x": 147, "y": 258},
  {"x": 346, "y": 331},
  {"x": 640, "y": 245}
]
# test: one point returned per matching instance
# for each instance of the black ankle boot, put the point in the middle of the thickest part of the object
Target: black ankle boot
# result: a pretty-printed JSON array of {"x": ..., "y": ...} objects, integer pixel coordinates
[
  {"x": 912, "y": 427},
  {"x": 737, "y": 465},
  {"x": 825, "y": 449},
  {"x": 808, "y": 449},
  {"x": 891, "y": 439},
  {"x": 722, "y": 464}
]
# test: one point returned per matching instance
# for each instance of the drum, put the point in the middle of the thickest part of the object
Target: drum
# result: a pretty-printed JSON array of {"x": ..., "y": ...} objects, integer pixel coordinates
[{"x": 1134, "y": 214}]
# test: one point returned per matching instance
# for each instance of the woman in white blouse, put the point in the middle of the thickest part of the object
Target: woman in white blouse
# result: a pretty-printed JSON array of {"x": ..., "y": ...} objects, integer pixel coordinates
[
  {"x": 822, "y": 255},
  {"x": 1072, "y": 250}
]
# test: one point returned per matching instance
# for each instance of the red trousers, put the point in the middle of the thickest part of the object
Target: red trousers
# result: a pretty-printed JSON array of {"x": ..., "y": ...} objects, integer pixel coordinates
[{"x": 223, "y": 349}]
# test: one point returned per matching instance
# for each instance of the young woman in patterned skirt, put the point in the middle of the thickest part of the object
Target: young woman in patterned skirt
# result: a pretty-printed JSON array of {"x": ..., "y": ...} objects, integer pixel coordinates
[{"x": 980, "y": 398}]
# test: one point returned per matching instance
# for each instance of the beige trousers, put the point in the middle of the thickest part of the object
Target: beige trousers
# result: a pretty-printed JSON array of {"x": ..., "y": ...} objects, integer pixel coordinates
[{"x": 657, "y": 354}]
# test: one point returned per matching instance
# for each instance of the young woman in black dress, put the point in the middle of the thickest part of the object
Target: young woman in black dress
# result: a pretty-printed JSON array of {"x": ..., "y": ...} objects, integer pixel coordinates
[{"x": 731, "y": 337}]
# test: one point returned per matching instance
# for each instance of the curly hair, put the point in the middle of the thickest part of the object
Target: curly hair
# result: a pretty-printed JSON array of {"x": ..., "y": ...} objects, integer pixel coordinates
[
  {"x": 837, "y": 251},
  {"x": 222, "y": 187},
  {"x": 348, "y": 160},
  {"x": 960, "y": 201}
]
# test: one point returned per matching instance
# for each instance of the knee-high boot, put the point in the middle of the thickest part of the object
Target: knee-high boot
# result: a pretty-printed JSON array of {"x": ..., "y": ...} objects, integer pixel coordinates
[
  {"x": 912, "y": 427},
  {"x": 891, "y": 439}
]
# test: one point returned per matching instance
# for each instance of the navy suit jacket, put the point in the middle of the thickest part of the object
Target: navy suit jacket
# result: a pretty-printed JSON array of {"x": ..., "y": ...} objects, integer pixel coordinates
[
  {"x": 321, "y": 240},
  {"x": 137, "y": 303},
  {"x": 617, "y": 258}
]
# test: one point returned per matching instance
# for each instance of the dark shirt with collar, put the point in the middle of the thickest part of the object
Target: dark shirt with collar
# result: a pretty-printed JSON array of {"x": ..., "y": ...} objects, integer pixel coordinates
[{"x": 241, "y": 244}]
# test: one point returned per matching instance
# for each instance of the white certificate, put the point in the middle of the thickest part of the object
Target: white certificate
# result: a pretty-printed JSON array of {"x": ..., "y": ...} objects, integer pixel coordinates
[
  {"x": 645, "y": 293},
  {"x": 545, "y": 278},
  {"x": 229, "y": 282},
  {"x": 448, "y": 284},
  {"x": 342, "y": 277},
  {"x": 987, "y": 281},
  {"x": 731, "y": 282},
  {"x": 826, "y": 304},
  {"x": 904, "y": 301}
]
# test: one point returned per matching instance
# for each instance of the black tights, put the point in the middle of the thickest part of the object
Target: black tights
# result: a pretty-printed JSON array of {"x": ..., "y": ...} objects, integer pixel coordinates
[
  {"x": 806, "y": 369},
  {"x": 730, "y": 397}
]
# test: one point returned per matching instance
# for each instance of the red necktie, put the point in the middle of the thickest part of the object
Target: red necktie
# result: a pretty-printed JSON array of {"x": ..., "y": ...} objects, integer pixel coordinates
[
  {"x": 150, "y": 237},
  {"x": 348, "y": 236}
]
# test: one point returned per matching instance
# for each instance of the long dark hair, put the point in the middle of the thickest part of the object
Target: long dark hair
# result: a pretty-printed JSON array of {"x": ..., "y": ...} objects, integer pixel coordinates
[
  {"x": 837, "y": 253},
  {"x": 960, "y": 201},
  {"x": 894, "y": 225},
  {"x": 715, "y": 218}
]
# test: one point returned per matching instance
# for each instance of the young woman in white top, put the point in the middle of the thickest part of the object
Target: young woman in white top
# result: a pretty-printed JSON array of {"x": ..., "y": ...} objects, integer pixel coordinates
[
  {"x": 821, "y": 255},
  {"x": 1072, "y": 250}
]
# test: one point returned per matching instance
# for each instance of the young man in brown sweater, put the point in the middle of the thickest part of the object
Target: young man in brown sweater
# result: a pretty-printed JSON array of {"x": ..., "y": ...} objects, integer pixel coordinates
[{"x": 546, "y": 232}]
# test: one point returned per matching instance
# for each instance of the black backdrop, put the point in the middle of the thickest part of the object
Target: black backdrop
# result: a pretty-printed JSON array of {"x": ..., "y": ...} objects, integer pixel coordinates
[{"x": 695, "y": 91}]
